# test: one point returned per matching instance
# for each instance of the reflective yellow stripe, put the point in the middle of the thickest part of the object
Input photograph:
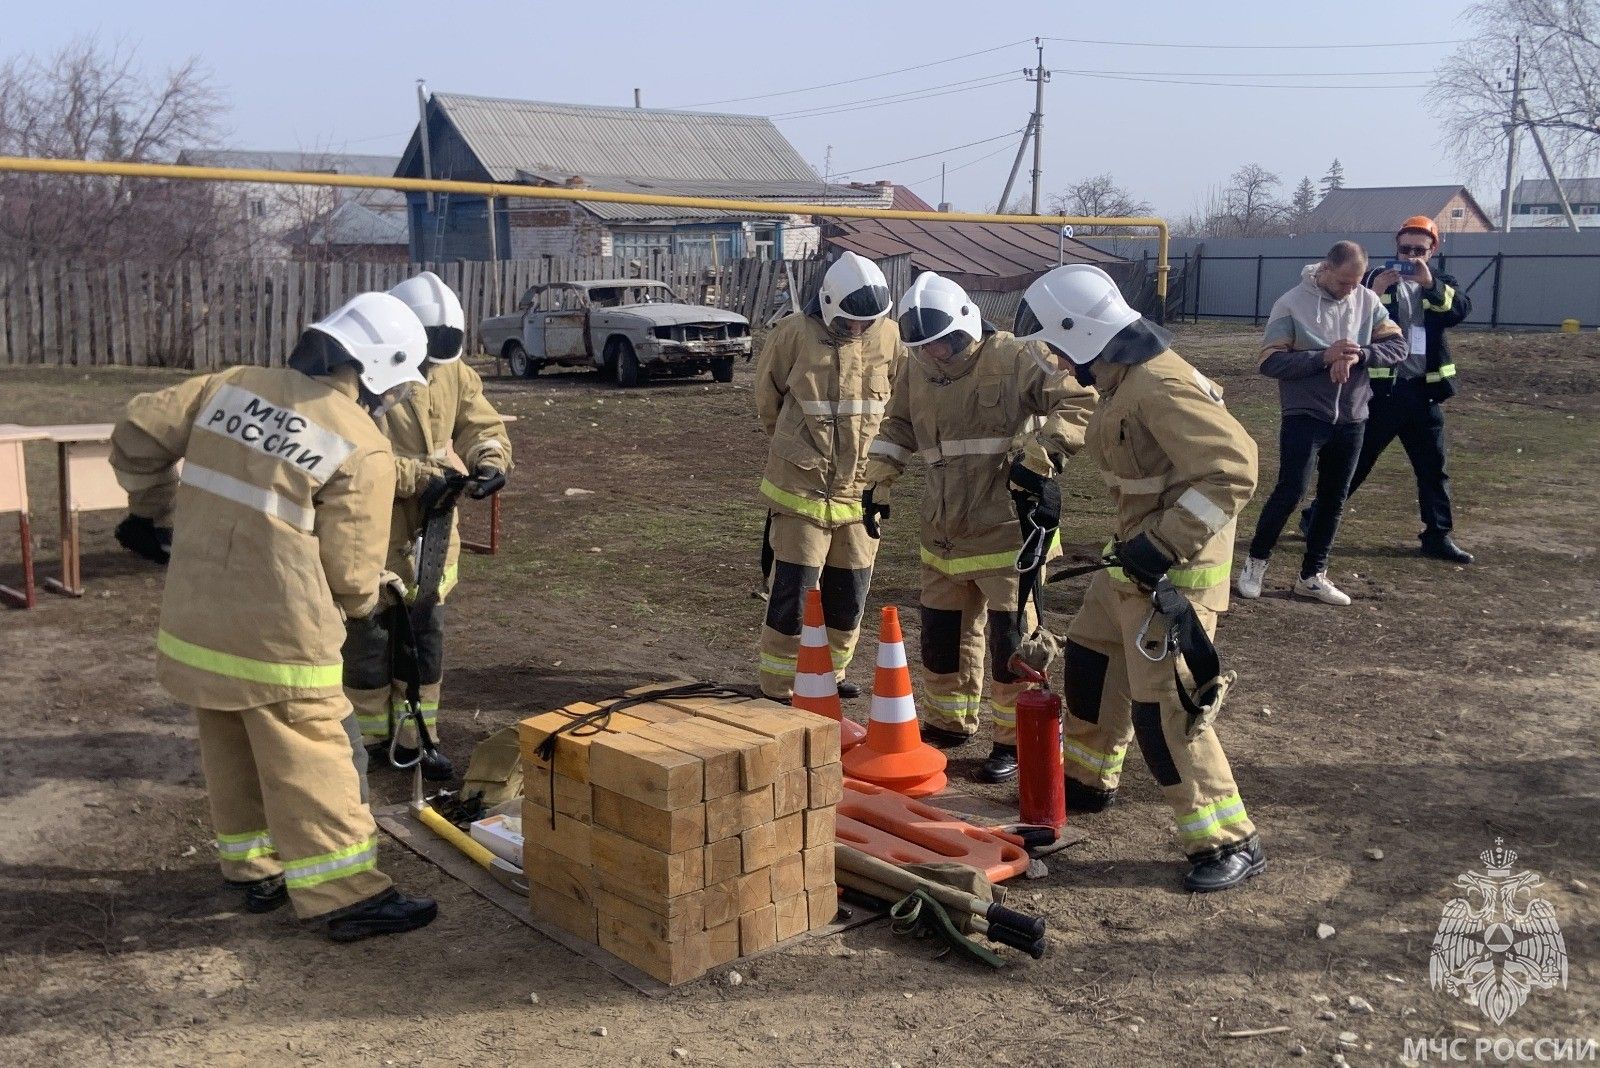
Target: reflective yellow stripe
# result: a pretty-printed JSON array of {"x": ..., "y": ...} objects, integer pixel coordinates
[
  {"x": 827, "y": 510},
  {"x": 1187, "y": 578},
  {"x": 298, "y": 676},
  {"x": 447, "y": 582},
  {"x": 1092, "y": 760},
  {"x": 964, "y": 565},
  {"x": 1444, "y": 305},
  {"x": 783, "y": 666},
  {"x": 1208, "y": 819},
  {"x": 340, "y": 864},
  {"x": 1376, "y": 373},
  {"x": 1445, "y": 371},
  {"x": 247, "y": 845}
]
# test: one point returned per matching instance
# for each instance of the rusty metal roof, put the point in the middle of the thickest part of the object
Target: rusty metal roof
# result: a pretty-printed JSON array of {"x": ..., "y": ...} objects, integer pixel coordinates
[
  {"x": 980, "y": 255},
  {"x": 1379, "y": 209},
  {"x": 508, "y": 136}
]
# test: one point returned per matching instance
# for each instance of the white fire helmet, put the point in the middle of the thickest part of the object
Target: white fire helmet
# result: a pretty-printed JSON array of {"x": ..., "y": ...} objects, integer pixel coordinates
[
  {"x": 1076, "y": 310},
  {"x": 381, "y": 335},
  {"x": 437, "y": 305},
  {"x": 936, "y": 307},
  {"x": 853, "y": 288}
]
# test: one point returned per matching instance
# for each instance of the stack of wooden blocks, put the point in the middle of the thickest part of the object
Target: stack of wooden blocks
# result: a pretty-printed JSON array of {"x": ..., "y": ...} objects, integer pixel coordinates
[{"x": 687, "y": 833}]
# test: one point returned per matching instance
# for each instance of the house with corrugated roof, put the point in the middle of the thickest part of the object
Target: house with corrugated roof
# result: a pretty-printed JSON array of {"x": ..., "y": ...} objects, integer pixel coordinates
[
  {"x": 1379, "y": 209},
  {"x": 311, "y": 222},
  {"x": 1535, "y": 205},
  {"x": 609, "y": 149}
]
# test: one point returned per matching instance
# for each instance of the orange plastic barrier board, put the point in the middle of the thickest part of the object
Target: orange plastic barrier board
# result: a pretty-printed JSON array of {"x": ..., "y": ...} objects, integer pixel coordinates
[{"x": 901, "y": 830}]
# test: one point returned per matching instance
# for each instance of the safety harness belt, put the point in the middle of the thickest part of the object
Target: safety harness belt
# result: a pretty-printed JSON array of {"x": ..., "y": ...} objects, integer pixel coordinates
[{"x": 1188, "y": 639}]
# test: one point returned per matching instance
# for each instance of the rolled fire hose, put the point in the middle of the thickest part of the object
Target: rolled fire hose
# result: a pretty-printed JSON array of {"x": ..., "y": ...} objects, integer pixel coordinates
[
  {"x": 999, "y": 934},
  {"x": 849, "y": 859}
]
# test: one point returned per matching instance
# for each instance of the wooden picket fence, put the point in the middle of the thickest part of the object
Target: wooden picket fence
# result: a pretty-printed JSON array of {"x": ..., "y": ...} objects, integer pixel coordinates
[{"x": 202, "y": 315}]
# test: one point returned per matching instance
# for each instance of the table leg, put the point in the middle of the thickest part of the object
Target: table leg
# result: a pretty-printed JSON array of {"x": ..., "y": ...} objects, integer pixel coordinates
[
  {"x": 23, "y": 598},
  {"x": 70, "y": 582}
]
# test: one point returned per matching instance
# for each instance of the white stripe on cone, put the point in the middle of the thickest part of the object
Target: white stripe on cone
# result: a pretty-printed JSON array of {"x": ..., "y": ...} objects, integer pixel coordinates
[
  {"x": 892, "y": 656},
  {"x": 813, "y": 636},
  {"x": 894, "y": 709},
  {"x": 815, "y": 686}
]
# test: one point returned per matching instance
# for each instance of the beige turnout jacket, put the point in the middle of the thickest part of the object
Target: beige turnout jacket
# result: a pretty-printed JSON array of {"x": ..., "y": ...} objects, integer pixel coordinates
[
  {"x": 820, "y": 399},
  {"x": 967, "y": 423},
  {"x": 280, "y": 517}
]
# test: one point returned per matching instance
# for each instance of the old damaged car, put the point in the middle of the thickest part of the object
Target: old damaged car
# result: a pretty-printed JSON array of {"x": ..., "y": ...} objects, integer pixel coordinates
[{"x": 627, "y": 328}]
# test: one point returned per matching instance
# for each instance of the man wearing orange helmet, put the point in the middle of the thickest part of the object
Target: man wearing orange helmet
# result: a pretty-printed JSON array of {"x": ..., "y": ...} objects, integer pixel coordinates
[{"x": 1407, "y": 400}]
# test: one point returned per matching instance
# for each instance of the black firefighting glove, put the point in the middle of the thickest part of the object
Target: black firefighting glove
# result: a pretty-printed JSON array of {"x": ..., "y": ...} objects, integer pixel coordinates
[
  {"x": 871, "y": 511},
  {"x": 437, "y": 488},
  {"x": 1025, "y": 479},
  {"x": 487, "y": 480},
  {"x": 1142, "y": 561},
  {"x": 140, "y": 536}
]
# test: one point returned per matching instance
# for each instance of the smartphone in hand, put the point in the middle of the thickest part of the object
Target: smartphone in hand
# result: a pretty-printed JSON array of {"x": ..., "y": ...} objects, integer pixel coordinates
[{"x": 1402, "y": 267}]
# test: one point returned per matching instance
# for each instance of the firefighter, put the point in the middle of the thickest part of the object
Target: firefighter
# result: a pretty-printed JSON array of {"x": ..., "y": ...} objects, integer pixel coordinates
[
  {"x": 822, "y": 384},
  {"x": 1180, "y": 469},
  {"x": 990, "y": 423},
  {"x": 449, "y": 413},
  {"x": 277, "y": 523}
]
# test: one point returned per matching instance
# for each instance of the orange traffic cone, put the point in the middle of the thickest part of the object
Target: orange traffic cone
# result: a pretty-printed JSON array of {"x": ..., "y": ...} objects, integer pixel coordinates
[
  {"x": 894, "y": 754},
  {"x": 815, "y": 688}
]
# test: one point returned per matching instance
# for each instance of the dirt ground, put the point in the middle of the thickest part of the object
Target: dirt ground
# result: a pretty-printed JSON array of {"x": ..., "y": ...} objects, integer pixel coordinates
[{"x": 1446, "y": 708}]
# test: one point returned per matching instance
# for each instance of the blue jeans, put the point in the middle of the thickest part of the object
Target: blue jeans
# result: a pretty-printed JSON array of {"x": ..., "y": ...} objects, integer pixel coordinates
[{"x": 1335, "y": 448}]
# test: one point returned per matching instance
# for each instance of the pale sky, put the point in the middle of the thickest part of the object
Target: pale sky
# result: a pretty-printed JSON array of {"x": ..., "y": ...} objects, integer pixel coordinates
[{"x": 335, "y": 76}]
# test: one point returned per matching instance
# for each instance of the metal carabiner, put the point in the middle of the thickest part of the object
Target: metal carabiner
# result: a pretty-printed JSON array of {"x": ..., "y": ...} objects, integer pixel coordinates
[
  {"x": 394, "y": 738},
  {"x": 1169, "y": 645}
]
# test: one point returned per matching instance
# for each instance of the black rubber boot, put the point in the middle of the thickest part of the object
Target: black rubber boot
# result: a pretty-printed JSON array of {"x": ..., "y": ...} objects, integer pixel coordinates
[
  {"x": 1224, "y": 872},
  {"x": 848, "y": 690},
  {"x": 940, "y": 738},
  {"x": 1442, "y": 547},
  {"x": 1001, "y": 765},
  {"x": 264, "y": 895},
  {"x": 391, "y": 912},
  {"x": 436, "y": 767},
  {"x": 1081, "y": 798}
]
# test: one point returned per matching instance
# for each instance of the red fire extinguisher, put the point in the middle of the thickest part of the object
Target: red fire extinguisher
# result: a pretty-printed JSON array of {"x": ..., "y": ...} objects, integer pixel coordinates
[{"x": 1041, "y": 791}]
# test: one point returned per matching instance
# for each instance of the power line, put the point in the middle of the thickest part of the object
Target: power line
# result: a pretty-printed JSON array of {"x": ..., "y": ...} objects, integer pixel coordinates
[
  {"x": 903, "y": 98},
  {"x": 925, "y": 155},
  {"x": 853, "y": 81},
  {"x": 958, "y": 167},
  {"x": 1252, "y": 47},
  {"x": 1236, "y": 85},
  {"x": 1260, "y": 74}
]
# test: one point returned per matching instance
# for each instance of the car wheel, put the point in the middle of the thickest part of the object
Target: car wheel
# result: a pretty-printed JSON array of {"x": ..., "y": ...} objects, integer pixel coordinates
[
  {"x": 522, "y": 366},
  {"x": 722, "y": 369},
  {"x": 620, "y": 352}
]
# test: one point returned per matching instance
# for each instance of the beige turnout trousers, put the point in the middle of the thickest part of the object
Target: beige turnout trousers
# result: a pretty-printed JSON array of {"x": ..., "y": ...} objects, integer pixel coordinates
[
  {"x": 285, "y": 798},
  {"x": 805, "y": 555},
  {"x": 1114, "y": 693},
  {"x": 967, "y": 622}
]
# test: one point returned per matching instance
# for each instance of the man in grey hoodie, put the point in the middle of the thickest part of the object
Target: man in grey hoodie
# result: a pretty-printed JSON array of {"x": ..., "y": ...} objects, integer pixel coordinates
[{"x": 1322, "y": 337}]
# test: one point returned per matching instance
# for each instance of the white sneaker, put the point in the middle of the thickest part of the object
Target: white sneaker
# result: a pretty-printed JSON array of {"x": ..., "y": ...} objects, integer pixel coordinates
[
  {"x": 1318, "y": 588},
  {"x": 1251, "y": 578}
]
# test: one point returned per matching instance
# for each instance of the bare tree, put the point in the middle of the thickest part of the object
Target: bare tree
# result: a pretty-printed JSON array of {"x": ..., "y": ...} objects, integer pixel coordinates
[
  {"x": 1249, "y": 206},
  {"x": 1208, "y": 208},
  {"x": 1560, "y": 81},
  {"x": 91, "y": 101},
  {"x": 1099, "y": 195}
]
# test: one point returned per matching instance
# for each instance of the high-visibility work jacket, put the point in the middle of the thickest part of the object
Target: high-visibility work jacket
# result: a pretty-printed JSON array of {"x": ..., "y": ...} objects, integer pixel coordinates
[
  {"x": 1179, "y": 466},
  {"x": 821, "y": 398},
  {"x": 966, "y": 423},
  {"x": 449, "y": 413},
  {"x": 280, "y": 515}
]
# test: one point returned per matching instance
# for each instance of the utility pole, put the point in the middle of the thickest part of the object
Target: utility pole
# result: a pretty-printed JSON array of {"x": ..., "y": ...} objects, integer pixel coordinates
[
  {"x": 1022, "y": 146},
  {"x": 1511, "y": 141},
  {"x": 427, "y": 164},
  {"x": 1544, "y": 157},
  {"x": 1039, "y": 76}
]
